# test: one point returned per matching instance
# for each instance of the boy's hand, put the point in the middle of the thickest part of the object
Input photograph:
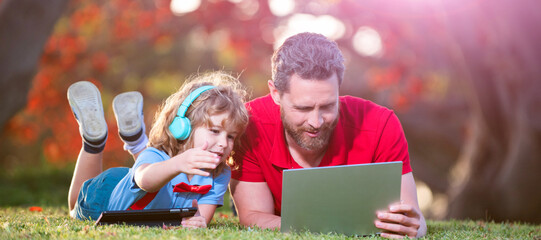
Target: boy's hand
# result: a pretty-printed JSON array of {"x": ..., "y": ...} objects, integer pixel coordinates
[
  {"x": 197, "y": 221},
  {"x": 193, "y": 160}
]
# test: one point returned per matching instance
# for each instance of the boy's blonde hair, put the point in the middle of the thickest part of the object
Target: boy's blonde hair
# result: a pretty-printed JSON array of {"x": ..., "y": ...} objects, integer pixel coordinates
[{"x": 227, "y": 97}]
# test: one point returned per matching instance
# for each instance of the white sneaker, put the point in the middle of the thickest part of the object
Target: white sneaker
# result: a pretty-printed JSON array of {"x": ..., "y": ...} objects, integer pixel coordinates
[
  {"x": 128, "y": 108},
  {"x": 85, "y": 101}
]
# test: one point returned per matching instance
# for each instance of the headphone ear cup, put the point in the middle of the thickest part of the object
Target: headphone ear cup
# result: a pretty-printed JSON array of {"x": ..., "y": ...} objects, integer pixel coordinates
[{"x": 180, "y": 128}]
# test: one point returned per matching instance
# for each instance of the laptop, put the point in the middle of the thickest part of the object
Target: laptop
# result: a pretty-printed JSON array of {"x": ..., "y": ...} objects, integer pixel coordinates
[
  {"x": 339, "y": 199},
  {"x": 146, "y": 217}
]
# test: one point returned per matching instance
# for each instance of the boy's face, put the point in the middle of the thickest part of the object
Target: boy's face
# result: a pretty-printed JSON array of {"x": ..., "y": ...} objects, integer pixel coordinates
[{"x": 219, "y": 138}]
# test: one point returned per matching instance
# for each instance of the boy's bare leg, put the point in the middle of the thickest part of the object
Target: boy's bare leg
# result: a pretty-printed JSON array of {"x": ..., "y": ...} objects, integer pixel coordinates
[
  {"x": 88, "y": 166},
  {"x": 85, "y": 101}
]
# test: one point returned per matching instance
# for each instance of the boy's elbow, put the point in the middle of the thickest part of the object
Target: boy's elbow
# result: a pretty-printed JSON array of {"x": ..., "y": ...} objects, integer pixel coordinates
[
  {"x": 146, "y": 185},
  {"x": 143, "y": 182}
]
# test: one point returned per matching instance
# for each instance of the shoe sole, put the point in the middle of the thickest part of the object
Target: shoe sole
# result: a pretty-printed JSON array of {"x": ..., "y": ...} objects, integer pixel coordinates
[
  {"x": 128, "y": 108},
  {"x": 85, "y": 101}
]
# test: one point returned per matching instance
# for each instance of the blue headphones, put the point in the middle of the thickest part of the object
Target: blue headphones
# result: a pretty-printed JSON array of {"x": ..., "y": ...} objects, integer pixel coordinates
[{"x": 181, "y": 126}]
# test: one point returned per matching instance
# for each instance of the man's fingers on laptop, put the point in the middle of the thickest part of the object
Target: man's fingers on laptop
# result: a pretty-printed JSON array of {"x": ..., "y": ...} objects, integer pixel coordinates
[
  {"x": 408, "y": 221},
  {"x": 393, "y": 229},
  {"x": 397, "y": 220},
  {"x": 405, "y": 209},
  {"x": 391, "y": 236}
]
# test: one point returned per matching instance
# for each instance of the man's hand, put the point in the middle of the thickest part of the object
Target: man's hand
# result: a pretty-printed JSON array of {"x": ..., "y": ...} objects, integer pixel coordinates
[
  {"x": 197, "y": 221},
  {"x": 398, "y": 221}
]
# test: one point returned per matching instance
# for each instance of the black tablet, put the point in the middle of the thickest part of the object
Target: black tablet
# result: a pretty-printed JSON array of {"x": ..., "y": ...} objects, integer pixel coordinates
[{"x": 146, "y": 217}]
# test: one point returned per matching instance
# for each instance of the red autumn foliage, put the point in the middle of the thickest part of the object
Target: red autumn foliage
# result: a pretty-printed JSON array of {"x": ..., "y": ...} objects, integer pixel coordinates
[
  {"x": 100, "y": 42},
  {"x": 100, "y": 62}
]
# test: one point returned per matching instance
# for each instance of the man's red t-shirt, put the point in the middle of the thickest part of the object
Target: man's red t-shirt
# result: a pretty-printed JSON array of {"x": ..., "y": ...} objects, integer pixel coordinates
[{"x": 365, "y": 133}]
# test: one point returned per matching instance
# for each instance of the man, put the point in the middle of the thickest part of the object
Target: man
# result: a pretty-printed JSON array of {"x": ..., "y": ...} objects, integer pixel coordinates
[{"x": 304, "y": 123}]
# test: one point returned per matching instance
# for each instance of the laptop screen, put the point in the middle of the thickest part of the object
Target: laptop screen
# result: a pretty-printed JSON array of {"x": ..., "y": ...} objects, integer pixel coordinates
[{"x": 340, "y": 199}]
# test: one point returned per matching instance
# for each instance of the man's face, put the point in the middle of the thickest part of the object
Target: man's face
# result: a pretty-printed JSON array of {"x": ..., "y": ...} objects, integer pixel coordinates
[{"x": 309, "y": 111}]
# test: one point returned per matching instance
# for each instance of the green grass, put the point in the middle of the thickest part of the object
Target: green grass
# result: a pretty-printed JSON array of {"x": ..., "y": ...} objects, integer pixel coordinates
[
  {"x": 42, "y": 185},
  {"x": 53, "y": 222},
  {"x": 47, "y": 187}
]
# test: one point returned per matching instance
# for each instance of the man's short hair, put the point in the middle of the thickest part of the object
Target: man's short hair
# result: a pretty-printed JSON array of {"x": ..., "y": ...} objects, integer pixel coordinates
[{"x": 309, "y": 55}]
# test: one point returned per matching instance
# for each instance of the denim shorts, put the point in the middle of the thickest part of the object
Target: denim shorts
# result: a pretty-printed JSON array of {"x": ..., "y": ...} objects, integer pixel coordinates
[{"x": 94, "y": 195}]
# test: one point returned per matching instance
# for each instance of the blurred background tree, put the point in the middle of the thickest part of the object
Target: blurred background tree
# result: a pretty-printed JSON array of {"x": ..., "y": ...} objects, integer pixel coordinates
[{"x": 462, "y": 75}]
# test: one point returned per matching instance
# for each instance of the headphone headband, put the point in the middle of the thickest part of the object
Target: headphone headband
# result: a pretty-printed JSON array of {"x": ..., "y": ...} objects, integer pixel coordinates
[{"x": 190, "y": 98}]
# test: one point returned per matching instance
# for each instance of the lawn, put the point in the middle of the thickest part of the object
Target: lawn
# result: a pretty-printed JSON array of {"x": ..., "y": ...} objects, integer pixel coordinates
[
  {"x": 53, "y": 222},
  {"x": 46, "y": 188}
]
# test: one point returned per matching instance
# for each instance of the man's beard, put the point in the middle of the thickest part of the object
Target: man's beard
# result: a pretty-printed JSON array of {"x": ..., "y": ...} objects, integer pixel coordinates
[{"x": 309, "y": 143}]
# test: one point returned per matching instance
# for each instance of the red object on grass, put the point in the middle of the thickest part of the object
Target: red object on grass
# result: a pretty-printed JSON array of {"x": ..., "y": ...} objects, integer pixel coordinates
[{"x": 35, "y": 209}]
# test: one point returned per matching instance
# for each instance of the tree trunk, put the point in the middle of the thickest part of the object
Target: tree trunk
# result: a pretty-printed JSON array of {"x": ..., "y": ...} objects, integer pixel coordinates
[
  {"x": 496, "y": 175},
  {"x": 25, "y": 26}
]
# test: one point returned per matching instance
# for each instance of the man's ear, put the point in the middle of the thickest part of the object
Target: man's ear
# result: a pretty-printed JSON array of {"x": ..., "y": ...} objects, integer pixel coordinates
[{"x": 274, "y": 92}]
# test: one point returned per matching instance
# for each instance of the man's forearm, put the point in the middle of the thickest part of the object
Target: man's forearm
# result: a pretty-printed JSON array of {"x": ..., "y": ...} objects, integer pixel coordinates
[{"x": 260, "y": 219}]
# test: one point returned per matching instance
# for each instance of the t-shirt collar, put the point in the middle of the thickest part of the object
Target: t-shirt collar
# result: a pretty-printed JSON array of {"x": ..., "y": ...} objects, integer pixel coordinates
[{"x": 280, "y": 155}]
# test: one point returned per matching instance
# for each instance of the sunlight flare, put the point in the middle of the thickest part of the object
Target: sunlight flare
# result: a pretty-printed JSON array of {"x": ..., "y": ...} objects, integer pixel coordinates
[
  {"x": 281, "y": 8},
  {"x": 326, "y": 25},
  {"x": 367, "y": 42},
  {"x": 424, "y": 194},
  {"x": 181, "y": 7}
]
